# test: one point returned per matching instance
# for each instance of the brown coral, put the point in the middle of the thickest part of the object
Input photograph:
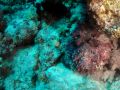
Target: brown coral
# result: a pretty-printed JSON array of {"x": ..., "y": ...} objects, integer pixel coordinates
[{"x": 107, "y": 14}]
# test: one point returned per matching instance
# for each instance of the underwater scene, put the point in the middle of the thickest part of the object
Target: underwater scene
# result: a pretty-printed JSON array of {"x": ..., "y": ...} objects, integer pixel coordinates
[{"x": 59, "y": 44}]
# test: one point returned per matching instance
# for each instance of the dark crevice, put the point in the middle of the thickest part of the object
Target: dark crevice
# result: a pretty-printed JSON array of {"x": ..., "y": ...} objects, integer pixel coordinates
[
  {"x": 34, "y": 79},
  {"x": 2, "y": 88},
  {"x": 118, "y": 43},
  {"x": 58, "y": 59},
  {"x": 38, "y": 11},
  {"x": 25, "y": 43},
  {"x": 5, "y": 71},
  {"x": 108, "y": 66},
  {"x": 54, "y": 9}
]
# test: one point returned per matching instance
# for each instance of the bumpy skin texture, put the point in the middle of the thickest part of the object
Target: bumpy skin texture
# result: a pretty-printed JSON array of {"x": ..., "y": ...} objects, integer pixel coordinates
[{"x": 92, "y": 53}]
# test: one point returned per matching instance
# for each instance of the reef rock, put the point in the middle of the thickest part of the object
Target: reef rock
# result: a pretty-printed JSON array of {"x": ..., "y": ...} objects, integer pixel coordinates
[
  {"x": 61, "y": 78},
  {"x": 23, "y": 67},
  {"x": 107, "y": 14},
  {"x": 21, "y": 28}
]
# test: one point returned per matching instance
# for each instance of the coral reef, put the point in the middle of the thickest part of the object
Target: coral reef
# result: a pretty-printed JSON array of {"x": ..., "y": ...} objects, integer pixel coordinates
[
  {"x": 32, "y": 45},
  {"x": 59, "y": 45},
  {"x": 108, "y": 11},
  {"x": 92, "y": 52},
  {"x": 60, "y": 81},
  {"x": 23, "y": 69},
  {"x": 108, "y": 15},
  {"x": 21, "y": 29}
]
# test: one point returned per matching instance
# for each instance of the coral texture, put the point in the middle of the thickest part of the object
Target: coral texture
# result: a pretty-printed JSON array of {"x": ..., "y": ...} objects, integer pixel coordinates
[
  {"x": 59, "y": 44},
  {"x": 92, "y": 52},
  {"x": 108, "y": 11},
  {"x": 108, "y": 15},
  {"x": 114, "y": 31}
]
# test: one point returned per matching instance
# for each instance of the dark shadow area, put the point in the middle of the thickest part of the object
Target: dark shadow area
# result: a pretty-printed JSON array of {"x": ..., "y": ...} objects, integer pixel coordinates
[
  {"x": 52, "y": 9},
  {"x": 55, "y": 8}
]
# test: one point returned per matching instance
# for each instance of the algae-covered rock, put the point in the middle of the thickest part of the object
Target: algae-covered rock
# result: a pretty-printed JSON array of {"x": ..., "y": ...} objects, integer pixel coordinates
[
  {"x": 23, "y": 70},
  {"x": 21, "y": 27},
  {"x": 61, "y": 78},
  {"x": 115, "y": 85},
  {"x": 39, "y": 37}
]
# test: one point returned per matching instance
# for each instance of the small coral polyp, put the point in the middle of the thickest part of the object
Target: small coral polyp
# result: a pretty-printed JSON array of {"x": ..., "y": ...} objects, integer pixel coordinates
[{"x": 89, "y": 58}]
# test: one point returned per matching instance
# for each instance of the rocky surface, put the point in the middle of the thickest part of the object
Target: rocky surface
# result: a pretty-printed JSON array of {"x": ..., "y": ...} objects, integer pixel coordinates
[
  {"x": 61, "y": 78},
  {"x": 108, "y": 16},
  {"x": 59, "y": 45}
]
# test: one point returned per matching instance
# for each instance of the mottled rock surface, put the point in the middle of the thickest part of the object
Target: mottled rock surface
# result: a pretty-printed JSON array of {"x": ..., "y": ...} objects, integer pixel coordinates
[
  {"x": 107, "y": 14},
  {"x": 61, "y": 78},
  {"x": 59, "y": 45}
]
